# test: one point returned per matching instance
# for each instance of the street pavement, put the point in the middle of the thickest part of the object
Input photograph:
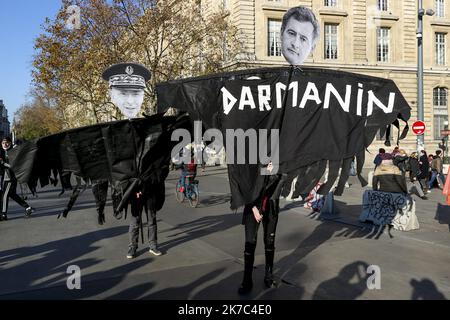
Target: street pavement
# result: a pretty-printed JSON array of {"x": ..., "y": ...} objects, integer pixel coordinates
[{"x": 317, "y": 257}]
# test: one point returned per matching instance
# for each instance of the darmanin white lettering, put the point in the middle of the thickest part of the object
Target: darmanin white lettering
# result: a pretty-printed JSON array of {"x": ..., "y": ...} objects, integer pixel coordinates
[{"x": 311, "y": 94}]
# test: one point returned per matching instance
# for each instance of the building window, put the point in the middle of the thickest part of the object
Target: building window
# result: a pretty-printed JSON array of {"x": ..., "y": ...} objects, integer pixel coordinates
[
  {"x": 331, "y": 41},
  {"x": 383, "y": 44},
  {"x": 440, "y": 8},
  {"x": 440, "y": 111},
  {"x": 440, "y": 48},
  {"x": 330, "y": 3},
  {"x": 382, "y": 5},
  {"x": 274, "y": 44}
]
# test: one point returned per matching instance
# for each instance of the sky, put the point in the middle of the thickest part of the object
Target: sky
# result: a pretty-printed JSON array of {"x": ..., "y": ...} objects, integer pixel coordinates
[{"x": 20, "y": 25}]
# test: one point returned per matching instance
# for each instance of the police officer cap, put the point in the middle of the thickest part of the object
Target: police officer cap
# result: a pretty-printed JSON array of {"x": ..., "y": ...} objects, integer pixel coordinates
[{"x": 129, "y": 75}]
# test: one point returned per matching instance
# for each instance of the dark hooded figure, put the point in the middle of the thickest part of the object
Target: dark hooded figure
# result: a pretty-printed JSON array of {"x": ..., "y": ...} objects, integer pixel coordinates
[
  {"x": 424, "y": 170},
  {"x": 414, "y": 173}
]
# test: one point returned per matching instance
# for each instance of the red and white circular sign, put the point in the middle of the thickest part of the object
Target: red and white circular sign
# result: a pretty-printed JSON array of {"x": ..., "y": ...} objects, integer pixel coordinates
[{"x": 418, "y": 128}]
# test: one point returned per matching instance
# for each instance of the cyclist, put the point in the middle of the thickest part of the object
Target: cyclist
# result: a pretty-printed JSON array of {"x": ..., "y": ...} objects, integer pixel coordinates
[{"x": 187, "y": 170}]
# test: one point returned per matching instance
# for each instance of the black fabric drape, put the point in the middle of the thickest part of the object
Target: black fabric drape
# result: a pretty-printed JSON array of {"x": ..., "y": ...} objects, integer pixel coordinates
[
  {"x": 316, "y": 127},
  {"x": 130, "y": 154}
]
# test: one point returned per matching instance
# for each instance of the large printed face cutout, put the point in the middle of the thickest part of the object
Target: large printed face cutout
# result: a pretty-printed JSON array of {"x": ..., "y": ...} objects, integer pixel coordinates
[
  {"x": 297, "y": 41},
  {"x": 128, "y": 100},
  {"x": 127, "y": 82}
]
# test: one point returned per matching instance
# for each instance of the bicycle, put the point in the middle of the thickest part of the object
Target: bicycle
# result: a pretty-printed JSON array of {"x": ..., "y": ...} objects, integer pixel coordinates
[{"x": 190, "y": 192}]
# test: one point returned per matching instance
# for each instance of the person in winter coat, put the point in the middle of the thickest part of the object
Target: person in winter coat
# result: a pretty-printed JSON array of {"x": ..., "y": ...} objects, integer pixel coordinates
[
  {"x": 389, "y": 178},
  {"x": 9, "y": 183},
  {"x": 382, "y": 155},
  {"x": 424, "y": 170},
  {"x": 436, "y": 171},
  {"x": 401, "y": 160},
  {"x": 414, "y": 173}
]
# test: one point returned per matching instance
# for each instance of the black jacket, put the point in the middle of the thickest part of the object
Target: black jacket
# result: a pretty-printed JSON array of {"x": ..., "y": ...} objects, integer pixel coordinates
[
  {"x": 424, "y": 167},
  {"x": 414, "y": 169},
  {"x": 401, "y": 162},
  {"x": 389, "y": 178}
]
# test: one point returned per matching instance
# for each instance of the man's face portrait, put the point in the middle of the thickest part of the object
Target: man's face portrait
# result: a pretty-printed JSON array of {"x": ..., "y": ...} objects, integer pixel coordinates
[
  {"x": 6, "y": 144},
  {"x": 128, "y": 100},
  {"x": 297, "y": 41}
]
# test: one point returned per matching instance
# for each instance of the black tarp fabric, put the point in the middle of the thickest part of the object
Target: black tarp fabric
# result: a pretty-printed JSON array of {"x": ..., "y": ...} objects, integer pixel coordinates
[
  {"x": 323, "y": 117},
  {"x": 133, "y": 155}
]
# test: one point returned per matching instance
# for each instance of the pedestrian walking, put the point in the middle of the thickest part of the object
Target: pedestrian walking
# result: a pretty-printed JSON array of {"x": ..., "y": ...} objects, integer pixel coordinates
[
  {"x": 424, "y": 167},
  {"x": 9, "y": 183},
  {"x": 436, "y": 171},
  {"x": 414, "y": 174}
]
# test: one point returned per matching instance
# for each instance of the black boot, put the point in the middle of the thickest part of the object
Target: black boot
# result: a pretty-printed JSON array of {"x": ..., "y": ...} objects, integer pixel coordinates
[
  {"x": 268, "y": 278},
  {"x": 249, "y": 260},
  {"x": 101, "y": 216}
]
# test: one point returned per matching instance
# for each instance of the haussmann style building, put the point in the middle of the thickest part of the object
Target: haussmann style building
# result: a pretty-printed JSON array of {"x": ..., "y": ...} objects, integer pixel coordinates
[
  {"x": 373, "y": 37},
  {"x": 4, "y": 122}
]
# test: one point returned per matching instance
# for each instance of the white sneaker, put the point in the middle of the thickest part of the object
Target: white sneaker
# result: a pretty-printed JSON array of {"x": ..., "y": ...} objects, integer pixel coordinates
[{"x": 155, "y": 252}]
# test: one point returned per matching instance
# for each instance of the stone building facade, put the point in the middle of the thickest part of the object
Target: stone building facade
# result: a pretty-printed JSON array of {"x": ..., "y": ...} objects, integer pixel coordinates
[
  {"x": 4, "y": 122},
  {"x": 373, "y": 37}
]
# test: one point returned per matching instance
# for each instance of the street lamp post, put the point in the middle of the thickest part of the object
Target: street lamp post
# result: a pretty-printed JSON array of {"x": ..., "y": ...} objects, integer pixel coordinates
[{"x": 419, "y": 34}]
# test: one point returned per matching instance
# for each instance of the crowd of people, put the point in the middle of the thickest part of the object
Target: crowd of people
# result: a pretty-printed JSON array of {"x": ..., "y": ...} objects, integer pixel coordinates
[{"x": 416, "y": 173}]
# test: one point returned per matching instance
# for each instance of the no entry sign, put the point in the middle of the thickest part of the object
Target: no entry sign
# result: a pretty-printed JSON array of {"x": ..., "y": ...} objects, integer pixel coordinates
[{"x": 418, "y": 128}]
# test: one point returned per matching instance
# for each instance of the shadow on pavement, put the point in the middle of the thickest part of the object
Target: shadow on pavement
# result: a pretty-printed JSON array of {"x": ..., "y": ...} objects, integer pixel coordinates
[
  {"x": 53, "y": 259},
  {"x": 184, "y": 292},
  {"x": 321, "y": 234},
  {"x": 214, "y": 200},
  {"x": 342, "y": 287},
  {"x": 425, "y": 289},
  {"x": 201, "y": 227}
]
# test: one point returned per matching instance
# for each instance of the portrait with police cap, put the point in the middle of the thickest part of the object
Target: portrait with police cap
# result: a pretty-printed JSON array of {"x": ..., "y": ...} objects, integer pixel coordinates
[{"x": 127, "y": 82}]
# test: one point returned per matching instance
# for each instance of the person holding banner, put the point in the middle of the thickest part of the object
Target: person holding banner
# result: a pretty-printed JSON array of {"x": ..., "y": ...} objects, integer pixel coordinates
[
  {"x": 299, "y": 33},
  {"x": 263, "y": 211}
]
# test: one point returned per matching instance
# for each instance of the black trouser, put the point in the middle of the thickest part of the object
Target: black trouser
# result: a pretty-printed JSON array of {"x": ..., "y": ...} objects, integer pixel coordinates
[
  {"x": 269, "y": 222},
  {"x": 100, "y": 191},
  {"x": 9, "y": 191},
  {"x": 152, "y": 230}
]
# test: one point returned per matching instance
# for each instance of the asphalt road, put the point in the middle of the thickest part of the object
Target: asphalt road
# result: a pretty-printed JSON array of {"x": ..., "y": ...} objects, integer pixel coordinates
[{"x": 316, "y": 257}]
